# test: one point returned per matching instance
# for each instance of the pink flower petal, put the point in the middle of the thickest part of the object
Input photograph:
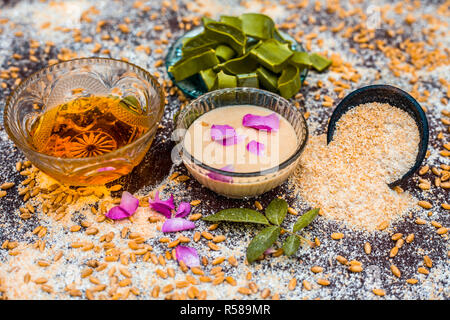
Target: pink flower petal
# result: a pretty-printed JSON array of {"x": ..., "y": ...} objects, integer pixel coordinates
[
  {"x": 128, "y": 206},
  {"x": 177, "y": 224},
  {"x": 220, "y": 132},
  {"x": 221, "y": 177},
  {"x": 117, "y": 213},
  {"x": 231, "y": 141},
  {"x": 270, "y": 251},
  {"x": 129, "y": 203},
  {"x": 188, "y": 255},
  {"x": 225, "y": 135},
  {"x": 268, "y": 123},
  {"x": 183, "y": 210},
  {"x": 162, "y": 206},
  {"x": 256, "y": 147}
]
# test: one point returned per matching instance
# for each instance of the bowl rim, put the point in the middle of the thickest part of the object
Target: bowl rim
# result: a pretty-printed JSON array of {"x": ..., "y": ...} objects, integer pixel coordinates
[
  {"x": 111, "y": 154},
  {"x": 424, "y": 135},
  {"x": 301, "y": 146}
]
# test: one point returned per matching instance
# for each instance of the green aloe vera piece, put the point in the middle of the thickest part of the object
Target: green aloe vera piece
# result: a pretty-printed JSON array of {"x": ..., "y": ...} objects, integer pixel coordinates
[
  {"x": 252, "y": 44},
  {"x": 206, "y": 20},
  {"x": 231, "y": 20},
  {"x": 267, "y": 79},
  {"x": 248, "y": 80},
  {"x": 279, "y": 37},
  {"x": 224, "y": 52},
  {"x": 132, "y": 104},
  {"x": 243, "y": 64},
  {"x": 191, "y": 65},
  {"x": 289, "y": 82},
  {"x": 226, "y": 81},
  {"x": 257, "y": 25},
  {"x": 319, "y": 62},
  {"x": 301, "y": 59},
  {"x": 272, "y": 54},
  {"x": 197, "y": 44},
  {"x": 209, "y": 78},
  {"x": 225, "y": 33}
]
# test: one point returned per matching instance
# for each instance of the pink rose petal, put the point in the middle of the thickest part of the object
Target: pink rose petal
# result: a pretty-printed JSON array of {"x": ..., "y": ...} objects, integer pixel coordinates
[
  {"x": 117, "y": 213},
  {"x": 270, "y": 251},
  {"x": 221, "y": 177},
  {"x": 221, "y": 132},
  {"x": 177, "y": 224},
  {"x": 231, "y": 141},
  {"x": 188, "y": 255},
  {"x": 225, "y": 135},
  {"x": 128, "y": 206},
  {"x": 183, "y": 210},
  {"x": 162, "y": 206},
  {"x": 268, "y": 123},
  {"x": 129, "y": 203},
  {"x": 256, "y": 147}
]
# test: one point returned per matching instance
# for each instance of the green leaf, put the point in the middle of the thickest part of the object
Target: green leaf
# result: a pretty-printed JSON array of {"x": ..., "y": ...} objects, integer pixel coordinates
[
  {"x": 305, "y": 219},
  {"x": 291, "y": 245},
  {"x": 261, "y": 242},
  {"x": 238, "y": 215},
  {"x": 276, "y": 211}
]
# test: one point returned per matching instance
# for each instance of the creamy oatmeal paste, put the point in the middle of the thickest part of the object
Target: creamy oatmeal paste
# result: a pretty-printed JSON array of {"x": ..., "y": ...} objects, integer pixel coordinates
[
  {"x": 374, "y": 144},
  {"x": 245, "y": 139},
  {"x": 276, "y": 145}
]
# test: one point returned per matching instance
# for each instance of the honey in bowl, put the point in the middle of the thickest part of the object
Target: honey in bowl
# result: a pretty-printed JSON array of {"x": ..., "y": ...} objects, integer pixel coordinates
[
  {"x": 85, "y": 121},
  {"x": 89, "y": 126}
]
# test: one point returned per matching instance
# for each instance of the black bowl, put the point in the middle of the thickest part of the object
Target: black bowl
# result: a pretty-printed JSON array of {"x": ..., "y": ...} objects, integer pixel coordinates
[{"x": 396, "y": 98}]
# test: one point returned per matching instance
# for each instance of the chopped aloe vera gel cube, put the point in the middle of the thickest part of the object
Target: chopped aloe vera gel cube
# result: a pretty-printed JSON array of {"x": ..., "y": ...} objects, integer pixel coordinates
[
  {"x": 257, "y": 25},
  {"x": 226, "y": 81},
  {"x": 301, "y": 59},
  {"x": 244, "y": 64},
  {"x": 279, "y": 37},
  {"x": 206, "y": 20},
  {"x": 267, "y": 79},
  {"x": 197, "y": 44},
  {"x": 226, "y": 34},
  {"x": 234, "y": 21},
  {"x": 289, "y": 82},
  {"x": 319, "y": 62},
  {"x": 224, "y": 52},
  {"x": 209, "y": 78},
  {"x": 272, "y": 54},
  {"x": 248, "y": 80},
  {"x": 191, "y": 65}
]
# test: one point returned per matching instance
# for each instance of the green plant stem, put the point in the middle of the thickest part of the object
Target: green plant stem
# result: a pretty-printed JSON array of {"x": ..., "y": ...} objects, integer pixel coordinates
[{"x": 300, "y": 237}]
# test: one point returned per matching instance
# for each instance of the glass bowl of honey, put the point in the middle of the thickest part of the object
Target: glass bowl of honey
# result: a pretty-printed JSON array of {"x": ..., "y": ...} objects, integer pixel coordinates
[{"x": 85, "y": 121}]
